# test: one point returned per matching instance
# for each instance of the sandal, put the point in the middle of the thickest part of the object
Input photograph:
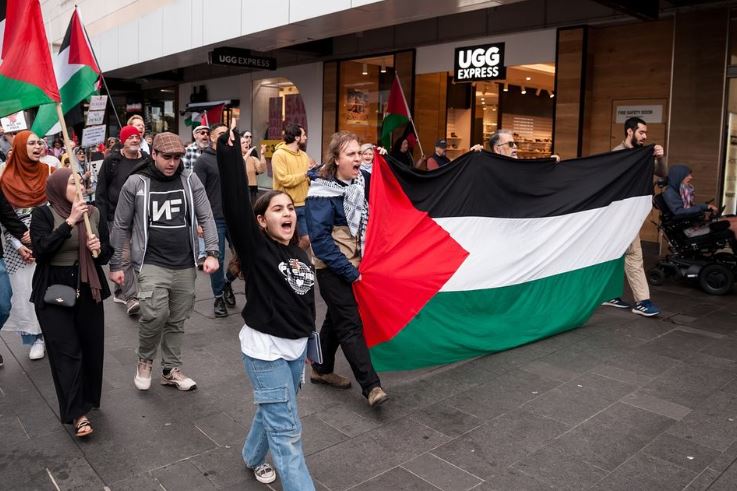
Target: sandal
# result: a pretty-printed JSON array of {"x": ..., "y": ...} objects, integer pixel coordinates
[{"x": 82, "y": 427}]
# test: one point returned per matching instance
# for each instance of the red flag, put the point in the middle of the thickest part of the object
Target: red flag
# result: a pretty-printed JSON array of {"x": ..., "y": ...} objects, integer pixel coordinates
[{"x": 27, "y": 74}]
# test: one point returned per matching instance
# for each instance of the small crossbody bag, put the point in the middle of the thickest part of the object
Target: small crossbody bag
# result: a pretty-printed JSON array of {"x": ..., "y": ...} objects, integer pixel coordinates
[{"x": 62, "y": 295}]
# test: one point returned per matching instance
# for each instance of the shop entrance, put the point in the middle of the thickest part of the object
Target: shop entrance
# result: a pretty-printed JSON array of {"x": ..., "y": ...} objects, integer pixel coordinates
[
  {"x": 276, "y": 102},
  {"x": 522, "y": 103}
]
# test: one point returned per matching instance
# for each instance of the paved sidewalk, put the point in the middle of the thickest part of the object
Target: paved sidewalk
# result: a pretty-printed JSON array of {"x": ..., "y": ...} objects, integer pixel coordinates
[{"x": 621, "y": 403}]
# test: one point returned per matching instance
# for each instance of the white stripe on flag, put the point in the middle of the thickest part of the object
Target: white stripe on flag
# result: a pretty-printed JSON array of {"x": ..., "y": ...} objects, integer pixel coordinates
[{"x": 511, "y": 251}]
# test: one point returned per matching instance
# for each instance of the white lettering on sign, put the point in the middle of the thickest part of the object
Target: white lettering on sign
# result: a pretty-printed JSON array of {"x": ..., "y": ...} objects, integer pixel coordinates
[
  {"x": 485, "y": 62},
  {"x": 478, "y": 57},
  {"x": 167, "y": 208},
  {"x": 650, "y": 113}
]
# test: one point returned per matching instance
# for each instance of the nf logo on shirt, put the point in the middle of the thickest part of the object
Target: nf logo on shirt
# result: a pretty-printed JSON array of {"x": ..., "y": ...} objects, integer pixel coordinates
[{"x": 167, "y": 209}]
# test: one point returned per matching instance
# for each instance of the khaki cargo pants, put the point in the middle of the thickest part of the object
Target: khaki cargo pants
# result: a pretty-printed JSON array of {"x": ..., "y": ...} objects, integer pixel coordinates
[
  {"x": 167, "y": 299},
  {"x": 634, "y": 270}
]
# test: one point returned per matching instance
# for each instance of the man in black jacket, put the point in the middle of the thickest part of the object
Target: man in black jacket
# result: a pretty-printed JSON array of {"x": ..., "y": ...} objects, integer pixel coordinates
[
  {"x": 206, "y": 169},
  {"x": 113, "y": 173},
  {"x": 15, "y": 227}
]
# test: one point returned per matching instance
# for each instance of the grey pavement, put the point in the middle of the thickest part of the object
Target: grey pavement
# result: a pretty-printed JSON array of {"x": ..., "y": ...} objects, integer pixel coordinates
[{"x": 620, "y": 403}]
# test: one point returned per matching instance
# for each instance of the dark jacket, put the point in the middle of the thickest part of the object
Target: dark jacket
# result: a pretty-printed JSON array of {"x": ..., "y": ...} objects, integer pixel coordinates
[
  {"x": 332, "y": 243},
  {"x": 110, "y": 181},
  {"x": 10, "y": 221},
  {"x": 47, "y": 241},
  {"x": 280, "y": 287},
  {"x": 206, "y": 169},
  {"x": 131, "y": 216},
  {"x": 672, "y": 194}
]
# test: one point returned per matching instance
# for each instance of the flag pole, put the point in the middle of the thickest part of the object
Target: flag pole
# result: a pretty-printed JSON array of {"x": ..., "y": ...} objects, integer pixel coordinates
[
  {"x": 411, "y": 119},
  {"x": 102, "y": 77},
  {"x": 72, "y": 162}
]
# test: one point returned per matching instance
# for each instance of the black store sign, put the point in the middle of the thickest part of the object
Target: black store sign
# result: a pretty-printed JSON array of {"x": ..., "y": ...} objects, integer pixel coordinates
[
  {"x": 482, "y": 62},
  {"x": 242, "y": 58}
]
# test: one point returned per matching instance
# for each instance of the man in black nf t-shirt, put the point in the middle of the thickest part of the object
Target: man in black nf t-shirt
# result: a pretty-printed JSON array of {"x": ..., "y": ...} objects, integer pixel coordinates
[
  {"x": 113, "y": 173},
  {"x": 158, "y": 212}
]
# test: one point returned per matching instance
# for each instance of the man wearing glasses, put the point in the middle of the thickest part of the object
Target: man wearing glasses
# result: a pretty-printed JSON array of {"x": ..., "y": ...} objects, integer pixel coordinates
[
  {"x": 157, "y": 212},
  {"x": 501, "y": 142},
  {"x": 201, "y": 141}
]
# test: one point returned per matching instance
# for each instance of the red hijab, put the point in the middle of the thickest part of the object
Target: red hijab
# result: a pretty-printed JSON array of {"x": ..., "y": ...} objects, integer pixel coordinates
[{"x": 24, "y": 181}]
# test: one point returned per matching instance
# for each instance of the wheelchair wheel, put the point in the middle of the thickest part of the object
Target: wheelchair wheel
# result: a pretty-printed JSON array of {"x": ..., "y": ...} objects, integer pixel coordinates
[
  {"x": 656, "y": 276},
  {"x": 716, "y": 279}
]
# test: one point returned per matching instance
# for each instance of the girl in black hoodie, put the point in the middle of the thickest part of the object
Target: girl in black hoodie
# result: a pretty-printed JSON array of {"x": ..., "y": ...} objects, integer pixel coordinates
[{"x": 279, "y": 317}]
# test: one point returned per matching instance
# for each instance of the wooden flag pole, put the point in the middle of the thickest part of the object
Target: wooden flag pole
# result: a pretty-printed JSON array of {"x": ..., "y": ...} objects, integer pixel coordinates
[{"x": 69, "y": 146}]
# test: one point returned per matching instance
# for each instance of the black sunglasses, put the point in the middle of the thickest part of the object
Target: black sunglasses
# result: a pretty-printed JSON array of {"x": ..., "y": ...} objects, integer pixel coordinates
[{"x": 509, "y": 144}]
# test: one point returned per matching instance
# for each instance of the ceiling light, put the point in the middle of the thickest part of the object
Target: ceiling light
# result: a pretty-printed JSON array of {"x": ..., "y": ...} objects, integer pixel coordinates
[
  {"x": 528, "y": 78},
  {"x": 482, "y": 99},
  {"x": 383, "y": 68},
  {"x": 365, "y": 69},
  {"x": 484, "y": 108},
  {"x": 493, "y": 108},
  {"x": 524, "y": 91},
  {"x": 552, "y": 95},
  {"x": 506, "y": 87}
]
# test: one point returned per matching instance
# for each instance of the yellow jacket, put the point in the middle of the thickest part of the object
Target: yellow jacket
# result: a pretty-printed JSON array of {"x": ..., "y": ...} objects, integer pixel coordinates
[{"x": 290, "y": 173}]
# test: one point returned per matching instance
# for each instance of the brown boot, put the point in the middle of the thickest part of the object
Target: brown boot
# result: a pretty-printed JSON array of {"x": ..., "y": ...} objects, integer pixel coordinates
[
  {"x": 331, "y": 379},
  {"x": 377, "y": 397}
]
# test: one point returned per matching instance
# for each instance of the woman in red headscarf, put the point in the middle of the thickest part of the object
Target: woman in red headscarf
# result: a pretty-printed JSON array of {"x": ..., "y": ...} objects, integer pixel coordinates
[
  {"x": 74, "y": 334},
  {"x": 23, "y": 182}
]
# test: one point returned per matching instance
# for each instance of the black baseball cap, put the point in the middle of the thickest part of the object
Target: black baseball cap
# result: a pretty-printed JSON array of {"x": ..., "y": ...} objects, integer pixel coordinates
[{"x": 441, "y": 143}]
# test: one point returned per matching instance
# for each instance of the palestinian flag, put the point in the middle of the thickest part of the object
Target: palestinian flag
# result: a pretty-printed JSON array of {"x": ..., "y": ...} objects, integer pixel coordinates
[
  {"x": 77, "y": 76},
  {"x": 396, "y": 115},
  {"x": 26, "y": 73},
  {"x": 490, "y": 252}
]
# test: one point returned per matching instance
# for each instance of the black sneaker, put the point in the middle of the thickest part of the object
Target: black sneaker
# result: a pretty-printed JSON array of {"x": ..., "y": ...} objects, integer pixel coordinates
[
  {"x": 228, "y": 295},
  {"x": 220, "y": 309}
]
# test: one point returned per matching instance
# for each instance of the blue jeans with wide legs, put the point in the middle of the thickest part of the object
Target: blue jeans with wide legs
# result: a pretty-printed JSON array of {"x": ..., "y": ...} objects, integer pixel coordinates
[
  {"x": 217, "y": 279},
  {"x": 6, "y": 294},
  {"x": 276, "y": 424}
]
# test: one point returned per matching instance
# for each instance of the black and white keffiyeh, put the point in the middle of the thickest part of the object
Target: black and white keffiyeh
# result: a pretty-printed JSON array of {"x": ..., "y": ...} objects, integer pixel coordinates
[{"x": 355, "y": 203}]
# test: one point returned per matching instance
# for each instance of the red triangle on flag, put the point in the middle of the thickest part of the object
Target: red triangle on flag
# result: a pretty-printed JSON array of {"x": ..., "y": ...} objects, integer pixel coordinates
[
  {"x": 407, "y": 260},
  {"x": 26, "y": 57},
  {"x": 80, "y": 51}
]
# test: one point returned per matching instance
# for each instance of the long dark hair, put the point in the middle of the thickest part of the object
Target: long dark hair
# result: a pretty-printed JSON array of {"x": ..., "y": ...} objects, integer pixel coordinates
[{"x": 262, "y": 204}]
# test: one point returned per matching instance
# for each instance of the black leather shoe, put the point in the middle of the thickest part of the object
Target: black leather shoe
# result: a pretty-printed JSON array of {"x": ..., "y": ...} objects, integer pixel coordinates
[
  {"x": 228, "y": 295},
  {"x": 220, "y": 309}
]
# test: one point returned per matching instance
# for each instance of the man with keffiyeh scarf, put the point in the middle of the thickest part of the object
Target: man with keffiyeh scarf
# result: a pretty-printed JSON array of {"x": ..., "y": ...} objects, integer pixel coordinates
[{"x": 337, "y": 215}]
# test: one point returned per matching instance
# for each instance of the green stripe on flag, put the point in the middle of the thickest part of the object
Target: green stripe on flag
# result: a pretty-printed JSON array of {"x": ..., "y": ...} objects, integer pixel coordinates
[
  {"x": 498, "y": 319},
  {"x": 78, "y": 88},
  {"x": 391, "y": 122},
  {"x": 18, "y": 96}
]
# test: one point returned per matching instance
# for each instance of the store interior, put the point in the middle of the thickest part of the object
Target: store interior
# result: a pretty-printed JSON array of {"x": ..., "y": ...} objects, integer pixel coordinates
[{"x": 522, "y": 103}]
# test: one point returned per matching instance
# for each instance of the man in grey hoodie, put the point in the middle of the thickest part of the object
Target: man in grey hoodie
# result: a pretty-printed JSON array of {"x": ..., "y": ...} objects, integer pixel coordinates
[{"x": 158, "y": 209}]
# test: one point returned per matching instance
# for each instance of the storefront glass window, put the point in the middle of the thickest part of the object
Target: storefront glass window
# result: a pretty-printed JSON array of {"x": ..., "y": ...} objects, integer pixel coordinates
[
  {"x": 276, "y": 101},
  {"x": 364, "y": 90},
  {"x": 729, "y": 198}
]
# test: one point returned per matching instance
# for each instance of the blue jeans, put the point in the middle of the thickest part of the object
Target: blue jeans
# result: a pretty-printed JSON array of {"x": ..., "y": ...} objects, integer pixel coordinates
[
  {"x": 276, "y": 424},
  {"x": 217, "y": 279},
  {"x": 6, "y": 294}
]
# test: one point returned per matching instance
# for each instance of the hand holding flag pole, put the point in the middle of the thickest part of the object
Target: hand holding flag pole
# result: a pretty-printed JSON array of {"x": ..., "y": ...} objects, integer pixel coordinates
[{"x": 69, "y": 146}]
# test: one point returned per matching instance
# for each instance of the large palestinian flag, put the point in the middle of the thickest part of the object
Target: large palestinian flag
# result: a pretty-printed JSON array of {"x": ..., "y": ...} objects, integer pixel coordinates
[
  {"x": 490, "y": 252},
  {"x": 26, "y": 73},
  {"x": 77, "y": 76}
]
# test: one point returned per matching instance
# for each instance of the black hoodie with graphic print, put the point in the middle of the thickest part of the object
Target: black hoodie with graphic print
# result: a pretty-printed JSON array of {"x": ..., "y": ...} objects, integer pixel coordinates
[{"x": 280, "y": 280}]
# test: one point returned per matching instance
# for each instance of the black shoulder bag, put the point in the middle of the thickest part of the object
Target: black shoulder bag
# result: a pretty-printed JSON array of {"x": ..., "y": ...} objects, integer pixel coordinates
[{"x": 62, "y": 295}]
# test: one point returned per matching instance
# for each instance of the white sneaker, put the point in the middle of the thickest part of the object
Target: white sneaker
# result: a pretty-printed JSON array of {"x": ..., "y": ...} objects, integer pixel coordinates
[
  {"x": 264, "y": 473},
  {"x": 142, "y": 379},
  {"x": 178, "y": 380},
  {"x": 38, "y": 350}
]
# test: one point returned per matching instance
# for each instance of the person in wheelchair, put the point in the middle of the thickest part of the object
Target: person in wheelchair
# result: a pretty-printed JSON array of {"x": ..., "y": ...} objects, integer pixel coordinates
[{"x": 679, "y": 198}]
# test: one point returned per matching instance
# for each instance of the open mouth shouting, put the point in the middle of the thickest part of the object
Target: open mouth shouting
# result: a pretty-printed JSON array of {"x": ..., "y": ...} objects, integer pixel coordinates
[{"x": 287, "y": 226}]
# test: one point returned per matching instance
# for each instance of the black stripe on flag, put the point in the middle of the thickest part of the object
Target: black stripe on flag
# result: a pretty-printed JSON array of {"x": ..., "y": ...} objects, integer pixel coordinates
[{"x": 487, "y": 185}]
